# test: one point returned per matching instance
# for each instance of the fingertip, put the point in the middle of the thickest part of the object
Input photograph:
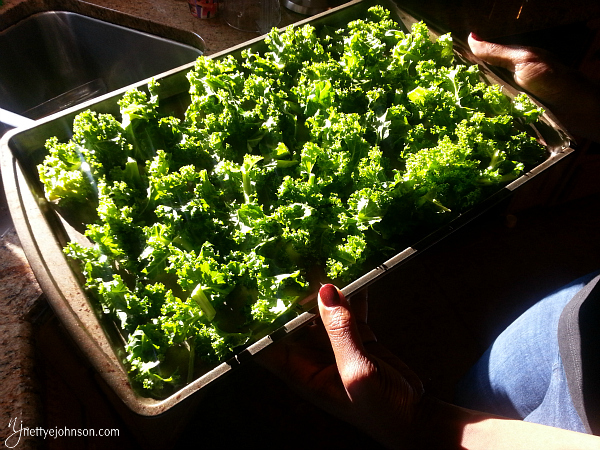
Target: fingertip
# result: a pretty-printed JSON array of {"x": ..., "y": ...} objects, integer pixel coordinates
[
  {"x": 475, "y": 36},
  {"x": 329, "y": 295},
  {"x": 476, "y": 43}
]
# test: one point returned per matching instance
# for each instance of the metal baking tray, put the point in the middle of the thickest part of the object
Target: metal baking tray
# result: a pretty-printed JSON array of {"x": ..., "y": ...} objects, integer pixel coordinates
[{"x": 43, "y": 232}]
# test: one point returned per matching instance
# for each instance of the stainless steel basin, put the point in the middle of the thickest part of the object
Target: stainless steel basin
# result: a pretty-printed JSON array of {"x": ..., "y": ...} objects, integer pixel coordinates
[
  {"x": 56, "y": 59},
  {"x": 53, "y": 60}
]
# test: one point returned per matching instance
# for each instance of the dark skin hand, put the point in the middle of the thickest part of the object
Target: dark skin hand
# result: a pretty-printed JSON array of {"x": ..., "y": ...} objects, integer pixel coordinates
[
  {"x": 348, "y": 372},
  {"x": 572, "y": 98}
]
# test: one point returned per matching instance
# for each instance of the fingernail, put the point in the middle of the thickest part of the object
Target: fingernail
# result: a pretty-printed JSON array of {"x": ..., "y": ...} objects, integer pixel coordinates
[
  {"x": 475, "y": 36},
  {"x": 329, "y": 295}
]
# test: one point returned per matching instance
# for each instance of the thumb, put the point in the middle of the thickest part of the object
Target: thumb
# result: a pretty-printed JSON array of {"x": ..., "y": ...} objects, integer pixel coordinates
[
  {"x": 534, "y": 70},
  {"x": 505, "y": 56},
  {"x": 351, "y": 358}
]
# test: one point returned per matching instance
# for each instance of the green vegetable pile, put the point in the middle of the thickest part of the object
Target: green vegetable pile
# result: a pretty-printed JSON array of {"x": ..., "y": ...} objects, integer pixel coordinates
[{"x": 310, "y": 161}]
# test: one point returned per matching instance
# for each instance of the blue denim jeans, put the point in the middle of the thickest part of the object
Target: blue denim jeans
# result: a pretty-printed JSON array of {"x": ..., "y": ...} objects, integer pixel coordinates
[{"x": 521, "y": 375}]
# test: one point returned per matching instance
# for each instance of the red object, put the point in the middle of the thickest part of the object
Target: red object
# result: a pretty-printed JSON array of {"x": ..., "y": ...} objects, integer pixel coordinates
[{"x": 203, "y": 9}]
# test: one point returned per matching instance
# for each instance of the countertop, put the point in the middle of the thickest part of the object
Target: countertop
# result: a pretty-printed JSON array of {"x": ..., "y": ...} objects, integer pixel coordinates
[
  {"x": 45, "y": 383},
  {"x": 166, "y": 18}
]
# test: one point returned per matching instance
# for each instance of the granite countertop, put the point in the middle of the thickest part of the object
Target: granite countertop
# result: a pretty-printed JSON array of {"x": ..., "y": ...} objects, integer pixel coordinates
[
  {"x": 22, "y": 303},
  {"x": 20, "y": 296},
  {"x": 166, "y": 18}
]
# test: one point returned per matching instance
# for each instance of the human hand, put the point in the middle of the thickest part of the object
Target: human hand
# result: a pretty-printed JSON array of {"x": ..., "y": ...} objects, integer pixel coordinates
[
  {"x": 339, "y": 365},
  {"x": 572, "y": 98}
]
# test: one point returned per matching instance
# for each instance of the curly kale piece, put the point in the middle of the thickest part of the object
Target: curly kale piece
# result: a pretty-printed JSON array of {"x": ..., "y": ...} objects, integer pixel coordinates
[
  {"x": 65, "y": 174},
  {"x": 101, "y": 140}
]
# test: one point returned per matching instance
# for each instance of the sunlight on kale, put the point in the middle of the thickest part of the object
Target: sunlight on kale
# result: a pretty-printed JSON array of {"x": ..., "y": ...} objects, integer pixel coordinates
[{"x": 312, "y": 161}]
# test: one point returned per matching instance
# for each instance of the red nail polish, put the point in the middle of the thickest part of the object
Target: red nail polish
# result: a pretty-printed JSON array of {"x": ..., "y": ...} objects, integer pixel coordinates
[
  {"x": 475, "y": 36},
  {"x": 329, "y": 295}
]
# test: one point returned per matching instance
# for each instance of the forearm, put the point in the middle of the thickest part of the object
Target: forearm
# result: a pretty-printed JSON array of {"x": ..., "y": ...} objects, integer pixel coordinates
[
  {"x": 495, "y": 433},
  {"x": 440, "y": 425},
  {"x": 566, "y": 92}
]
